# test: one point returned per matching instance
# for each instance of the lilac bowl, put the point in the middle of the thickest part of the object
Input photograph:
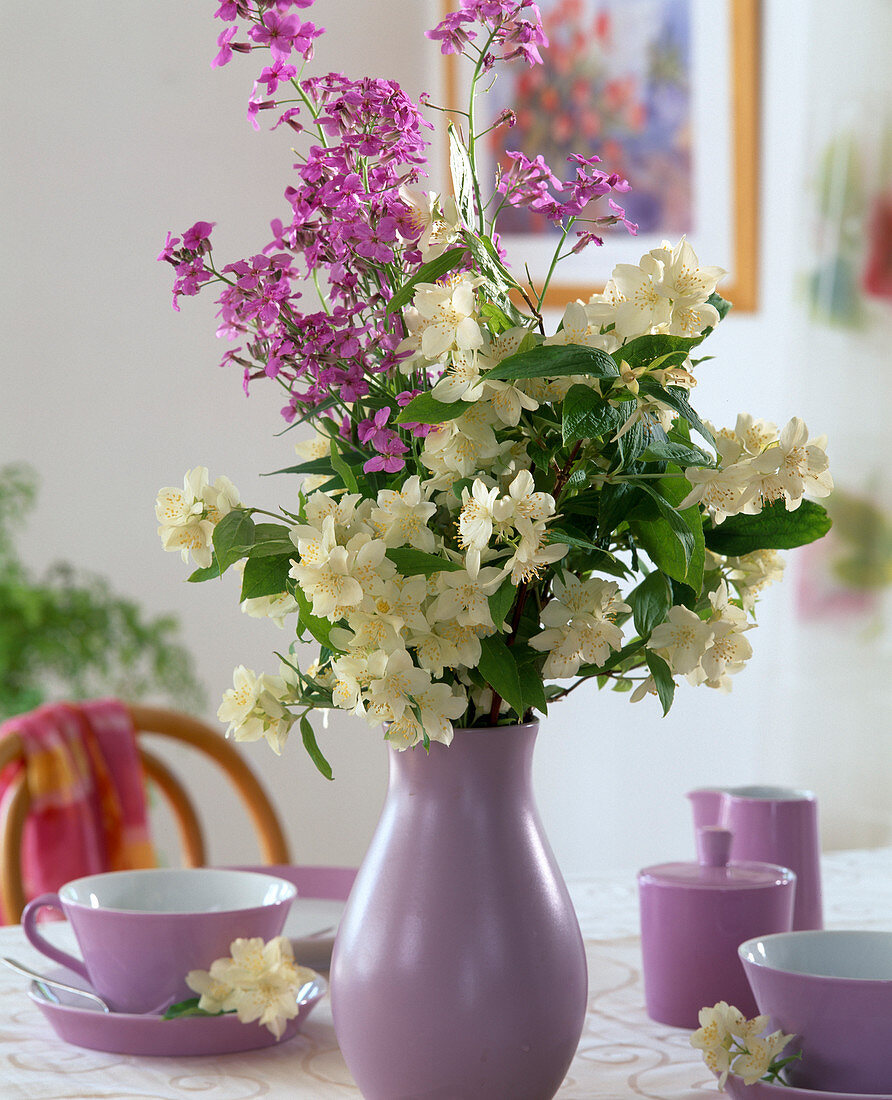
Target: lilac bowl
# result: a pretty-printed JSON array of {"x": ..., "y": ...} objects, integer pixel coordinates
[{"x": 833, "y": 991}]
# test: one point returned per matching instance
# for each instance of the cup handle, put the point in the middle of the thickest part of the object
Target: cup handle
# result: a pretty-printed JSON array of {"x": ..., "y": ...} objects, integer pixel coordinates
[{"x": 36, "y": 939}]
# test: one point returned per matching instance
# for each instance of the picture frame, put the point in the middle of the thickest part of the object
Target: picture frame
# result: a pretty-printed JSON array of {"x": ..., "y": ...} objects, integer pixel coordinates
[{"x": 713, "y": 164}]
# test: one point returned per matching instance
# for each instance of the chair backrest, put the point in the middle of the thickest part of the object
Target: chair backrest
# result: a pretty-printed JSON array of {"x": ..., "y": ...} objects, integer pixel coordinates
[{"x": 149, "y": 722}]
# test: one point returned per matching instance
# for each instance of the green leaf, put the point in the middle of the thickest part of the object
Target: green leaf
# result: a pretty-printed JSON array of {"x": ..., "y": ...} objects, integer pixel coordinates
[
  {"x": 343, "y": 471},
  {"x": 320, "y": 628},
  {"x": 189, "y": 1007},
  {"x": 650, "y": 602},
  {"x": 271, "y": 540},
  {"x": 315, "y": 753},
  {"x": 410, "y": 562},
  {"x": 667, "y": 451},
  {"x": 721, "y": 304},
  {"x": 644, "y": 351},
  {"x": 311, "y": 466},
  {"x": 774, "y": 528},
  {"x": 429, "y": 273},
  {"x": 233, "y": 537},
  {"x": 674, "y": 540},
  {"x": 676, "y": 398},
  {"x": 663, "y": 681},
  {"x": 553, "y": 360},
  {"x": 598, "y": 559},
  {"x": 462, "y": 172},
  {"x": 265, "y": 576},
  {"x": 499, "y": 668},
  {"x": 501, "y": 601},
  {"x": 617, "y": 500},
  {"x": 529, "y": 662},
  {"x": 426, "y": 409},
  {"x": 586, "y": 415},
  {"x": 210, "y": 572}
]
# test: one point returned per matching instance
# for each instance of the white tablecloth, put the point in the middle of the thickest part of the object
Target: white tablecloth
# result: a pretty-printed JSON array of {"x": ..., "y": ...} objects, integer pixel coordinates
[{"x": 622, "y": 1052}]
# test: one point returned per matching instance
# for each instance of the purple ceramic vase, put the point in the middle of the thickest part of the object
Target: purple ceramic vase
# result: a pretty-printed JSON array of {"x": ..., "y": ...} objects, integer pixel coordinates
[{"x": 459, "y": 969}]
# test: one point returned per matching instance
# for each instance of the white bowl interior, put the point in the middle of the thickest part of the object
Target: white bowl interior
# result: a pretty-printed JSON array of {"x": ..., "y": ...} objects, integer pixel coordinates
[
  {"x": 831, "y": 954},
  {"x": 178, "y": 890},
  {"x": 774, "y": 794}
]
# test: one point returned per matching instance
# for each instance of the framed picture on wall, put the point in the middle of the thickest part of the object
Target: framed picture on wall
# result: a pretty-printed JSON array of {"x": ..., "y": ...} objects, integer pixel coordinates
[{"x": 665, "y": 92}]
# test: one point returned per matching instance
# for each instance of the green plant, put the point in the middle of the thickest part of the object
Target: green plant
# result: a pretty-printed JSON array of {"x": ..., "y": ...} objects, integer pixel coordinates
[{"x": 65, "y": 633}]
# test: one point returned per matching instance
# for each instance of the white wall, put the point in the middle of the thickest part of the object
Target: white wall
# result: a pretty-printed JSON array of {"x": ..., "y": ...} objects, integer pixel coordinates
[{"x": 116, "y": 130}]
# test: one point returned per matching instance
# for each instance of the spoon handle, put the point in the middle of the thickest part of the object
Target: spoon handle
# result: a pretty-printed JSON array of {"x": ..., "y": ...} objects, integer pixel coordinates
[{"x": 20, "y": 968}]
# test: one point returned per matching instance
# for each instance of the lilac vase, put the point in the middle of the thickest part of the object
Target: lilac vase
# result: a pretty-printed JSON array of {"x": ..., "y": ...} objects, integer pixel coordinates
[{"x": 459, "y": 969}]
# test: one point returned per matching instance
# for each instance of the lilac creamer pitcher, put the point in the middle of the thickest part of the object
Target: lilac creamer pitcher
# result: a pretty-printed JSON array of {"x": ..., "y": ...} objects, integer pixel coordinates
[{"x": 771, "y": 825}]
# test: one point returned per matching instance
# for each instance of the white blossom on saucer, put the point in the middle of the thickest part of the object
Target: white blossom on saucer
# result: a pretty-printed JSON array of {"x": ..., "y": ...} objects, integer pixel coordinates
[
  {"x": 260, "y": 982},
  {"x": 254, "y": 708},
  {"x": 754, "y": 1063},
  {"x": 681, "y": 640}
]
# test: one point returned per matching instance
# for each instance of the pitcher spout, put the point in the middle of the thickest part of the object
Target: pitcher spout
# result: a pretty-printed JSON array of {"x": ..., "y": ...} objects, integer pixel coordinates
[{"x": 706, "y": 803}]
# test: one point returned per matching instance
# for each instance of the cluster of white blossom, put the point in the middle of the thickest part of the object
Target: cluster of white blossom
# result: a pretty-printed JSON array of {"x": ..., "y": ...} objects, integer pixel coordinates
[
  {"x": 261, "y": 982},
  {"x": 732, "y": 1044},
  {"x": 187, "y": 517},
  {"x": 403, "y": 644},
  {"x": 705, "y": 651}
]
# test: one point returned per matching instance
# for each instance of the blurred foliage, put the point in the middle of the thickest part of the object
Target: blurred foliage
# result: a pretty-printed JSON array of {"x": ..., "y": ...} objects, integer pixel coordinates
[
  {"x": 863, "y": 533},
  {"x": 66, "y": 635}
]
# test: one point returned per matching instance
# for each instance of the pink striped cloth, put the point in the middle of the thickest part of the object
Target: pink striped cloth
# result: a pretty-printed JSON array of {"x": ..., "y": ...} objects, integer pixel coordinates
[{"x": 88, "y": 804}]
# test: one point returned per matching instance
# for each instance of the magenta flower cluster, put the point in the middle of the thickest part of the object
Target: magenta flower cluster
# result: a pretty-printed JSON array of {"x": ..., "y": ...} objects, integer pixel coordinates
[
  {"x": 347, "y": 229},
  {"x": 530, "y": 182},
  {"x": 514, "y": 28}
]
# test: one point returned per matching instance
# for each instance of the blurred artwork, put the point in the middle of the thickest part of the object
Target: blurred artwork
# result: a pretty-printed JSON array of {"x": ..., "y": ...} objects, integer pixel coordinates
[
  {"x": 852, "y": 226},
  {"x": 617, "y": 85}
]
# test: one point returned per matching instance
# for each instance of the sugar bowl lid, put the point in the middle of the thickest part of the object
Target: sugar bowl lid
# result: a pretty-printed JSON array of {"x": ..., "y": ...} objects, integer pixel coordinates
[{"x": 714, "y": 870}]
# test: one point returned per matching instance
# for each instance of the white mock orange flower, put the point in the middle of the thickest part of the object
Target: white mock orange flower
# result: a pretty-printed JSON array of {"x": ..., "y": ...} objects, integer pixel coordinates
[{"x": 259, "y": 982}]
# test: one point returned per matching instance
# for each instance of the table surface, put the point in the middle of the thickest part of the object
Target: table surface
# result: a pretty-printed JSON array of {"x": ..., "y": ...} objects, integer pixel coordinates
[{"x": 622, "y": 1052}]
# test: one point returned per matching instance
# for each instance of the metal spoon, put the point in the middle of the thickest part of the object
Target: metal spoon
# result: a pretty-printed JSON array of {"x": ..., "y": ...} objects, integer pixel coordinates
[{"x": 43, "y": 982}]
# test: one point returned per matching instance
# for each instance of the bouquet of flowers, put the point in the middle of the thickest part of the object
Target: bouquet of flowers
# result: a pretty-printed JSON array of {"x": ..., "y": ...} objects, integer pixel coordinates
[{"x": 488, "y": 513}]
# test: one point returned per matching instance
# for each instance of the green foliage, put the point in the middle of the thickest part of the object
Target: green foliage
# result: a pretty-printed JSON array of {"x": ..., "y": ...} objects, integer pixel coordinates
[{"x": 65, "y": 634}]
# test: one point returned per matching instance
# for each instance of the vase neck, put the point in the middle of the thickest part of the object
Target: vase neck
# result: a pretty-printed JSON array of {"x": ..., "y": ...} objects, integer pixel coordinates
[{"x": 483, "y": 761}]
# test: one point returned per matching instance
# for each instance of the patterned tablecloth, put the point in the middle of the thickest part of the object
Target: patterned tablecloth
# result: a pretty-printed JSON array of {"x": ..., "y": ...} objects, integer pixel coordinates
[{"x": 622, "y": 1052}]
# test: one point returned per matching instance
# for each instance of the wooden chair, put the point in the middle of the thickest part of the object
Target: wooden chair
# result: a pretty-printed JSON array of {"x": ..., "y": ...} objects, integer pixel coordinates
[{"x": 150, "y": 722}]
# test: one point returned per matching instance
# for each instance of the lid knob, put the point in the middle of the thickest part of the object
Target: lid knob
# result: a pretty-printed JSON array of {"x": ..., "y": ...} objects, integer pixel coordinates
[{"x": 713, "y": 845}]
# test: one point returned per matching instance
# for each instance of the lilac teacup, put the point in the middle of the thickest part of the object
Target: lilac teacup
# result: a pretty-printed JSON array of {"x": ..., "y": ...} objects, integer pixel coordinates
[{"x": 141, "y": 932}]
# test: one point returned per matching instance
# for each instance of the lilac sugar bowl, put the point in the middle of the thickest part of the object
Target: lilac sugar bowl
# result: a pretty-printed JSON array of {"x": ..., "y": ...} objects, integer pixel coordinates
[
  {"x": 833, "y": 990},
  {"x": 694, "y": 916}
]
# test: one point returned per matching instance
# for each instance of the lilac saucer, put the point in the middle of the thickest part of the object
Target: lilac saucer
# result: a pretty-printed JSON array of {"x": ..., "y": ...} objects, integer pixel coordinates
[
  {"x": 124, "y": 1033},
  {"x": 761, "y": 1090}
]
